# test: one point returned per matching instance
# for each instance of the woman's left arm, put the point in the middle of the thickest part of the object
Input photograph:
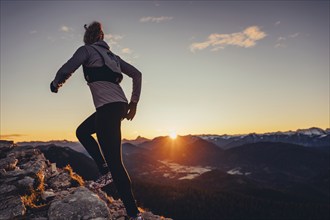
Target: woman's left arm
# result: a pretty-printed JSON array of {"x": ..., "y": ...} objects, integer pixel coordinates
[{"x": 64, "y": 73}]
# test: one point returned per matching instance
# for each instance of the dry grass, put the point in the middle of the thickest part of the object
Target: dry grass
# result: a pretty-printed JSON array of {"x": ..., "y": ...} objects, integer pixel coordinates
[
  {"x": 33, "y": 199},
  {"x": 76, "y": 178}
]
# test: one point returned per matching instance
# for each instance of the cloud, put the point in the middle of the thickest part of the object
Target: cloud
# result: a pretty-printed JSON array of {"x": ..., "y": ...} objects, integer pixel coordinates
[
  {"x": 155, "y": 19},
  {"x": 33, "y": 32},
  {"x": 277, "y": 23},
  {"x": 51, "y": 39},
  {"x": 215, "y": 49},
  {"x": 126, "y": 51},
  {"x": 65, "y": 28},
  {"x": 280, "y": 45},
  {"x": 9, "y": 136},
  {"x": 294, "y": 35},
  {"x": 281, "y": 42},
  {"x": 113, "y": 39},
  {"x": 247, "y": 38}
]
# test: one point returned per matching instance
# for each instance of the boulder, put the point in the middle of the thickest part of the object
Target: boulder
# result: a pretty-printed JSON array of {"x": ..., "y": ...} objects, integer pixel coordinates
[
  {"x": 26, "y": 184},
  {"x": 81, "y": 204}
]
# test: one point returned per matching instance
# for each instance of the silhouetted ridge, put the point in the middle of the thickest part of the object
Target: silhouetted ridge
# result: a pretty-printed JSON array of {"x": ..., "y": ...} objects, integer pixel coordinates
[
  {"x": 32, "y": 187},
  {"x": 62, "y": 156}
]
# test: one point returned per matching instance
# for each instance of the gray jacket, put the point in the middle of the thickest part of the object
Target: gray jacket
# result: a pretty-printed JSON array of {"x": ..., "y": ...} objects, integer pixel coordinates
[{"x": 103, "y": 92}]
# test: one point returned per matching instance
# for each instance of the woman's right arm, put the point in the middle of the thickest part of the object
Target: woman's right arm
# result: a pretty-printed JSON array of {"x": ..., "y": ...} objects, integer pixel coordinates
[
  {"x": 136, "y": 75},
  {"x": 64, "y": 73}
]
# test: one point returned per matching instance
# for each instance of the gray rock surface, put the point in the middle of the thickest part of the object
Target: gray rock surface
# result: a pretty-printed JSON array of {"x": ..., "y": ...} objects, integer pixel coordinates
[
  {"x": 5, "y": 145},
  {"x": 81, "y": 204},
  {"x": 11, "y": 207},
  {"x": 60, "y": 181},
  {"x": 26, "y": 183},
  {"x": 8, "y": 163}
]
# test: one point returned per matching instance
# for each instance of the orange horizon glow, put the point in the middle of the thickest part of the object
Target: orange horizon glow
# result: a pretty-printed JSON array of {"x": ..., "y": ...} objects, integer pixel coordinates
[{"x": 70, "y": 136}]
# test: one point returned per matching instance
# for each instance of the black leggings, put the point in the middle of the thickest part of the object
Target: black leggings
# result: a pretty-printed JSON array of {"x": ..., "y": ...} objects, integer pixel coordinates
[{"x": 106, "y": 122}]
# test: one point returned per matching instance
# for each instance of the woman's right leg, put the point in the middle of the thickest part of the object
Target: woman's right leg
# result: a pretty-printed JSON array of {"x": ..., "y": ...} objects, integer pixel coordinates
[
  {"x": 84, "y": 134},
  {"x": 108, "y": 133}
]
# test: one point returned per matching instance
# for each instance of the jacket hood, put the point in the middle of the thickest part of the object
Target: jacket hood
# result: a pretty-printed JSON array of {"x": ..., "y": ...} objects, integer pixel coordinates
[{"x": 102, "y": 43}]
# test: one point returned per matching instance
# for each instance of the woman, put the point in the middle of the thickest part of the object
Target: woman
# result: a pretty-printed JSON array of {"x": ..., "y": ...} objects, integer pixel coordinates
[{"x": 103, "y": 72}]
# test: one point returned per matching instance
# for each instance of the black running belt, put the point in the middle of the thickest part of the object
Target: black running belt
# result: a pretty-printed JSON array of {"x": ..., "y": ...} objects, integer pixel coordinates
[{"x": 103, "y": 73}]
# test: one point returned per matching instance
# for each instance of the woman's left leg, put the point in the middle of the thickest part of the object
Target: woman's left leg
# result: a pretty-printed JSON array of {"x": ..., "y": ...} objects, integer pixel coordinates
[
  {"x": 108, "y": 131},
  {"x": 84, "y": 134}
]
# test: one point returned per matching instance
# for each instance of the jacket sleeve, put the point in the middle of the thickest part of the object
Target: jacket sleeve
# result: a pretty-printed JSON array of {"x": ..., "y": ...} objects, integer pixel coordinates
[
  {"x": 136, "y": 75},
  {"x": 64, "y": 73}
]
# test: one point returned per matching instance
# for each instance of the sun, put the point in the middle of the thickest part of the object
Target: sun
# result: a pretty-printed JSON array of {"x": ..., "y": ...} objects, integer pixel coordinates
[{"x": 173, "y": 135}]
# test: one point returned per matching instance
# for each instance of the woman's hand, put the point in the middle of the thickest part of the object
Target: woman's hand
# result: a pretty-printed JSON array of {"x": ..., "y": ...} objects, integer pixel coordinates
[
  {"x": 53, "y": 88},
  {"x": 131, "y": 110}
]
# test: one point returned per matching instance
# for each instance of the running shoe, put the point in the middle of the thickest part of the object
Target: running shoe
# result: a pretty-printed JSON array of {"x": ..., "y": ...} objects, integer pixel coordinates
[{"x": 104, "y": 180}]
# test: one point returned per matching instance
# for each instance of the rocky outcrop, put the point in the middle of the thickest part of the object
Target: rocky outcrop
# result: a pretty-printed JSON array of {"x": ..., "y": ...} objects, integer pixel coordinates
[{"x": 33, "y": 188}]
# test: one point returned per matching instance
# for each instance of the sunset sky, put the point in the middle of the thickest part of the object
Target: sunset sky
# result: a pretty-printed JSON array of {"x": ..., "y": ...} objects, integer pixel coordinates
[{"x": 209, "y": 67}]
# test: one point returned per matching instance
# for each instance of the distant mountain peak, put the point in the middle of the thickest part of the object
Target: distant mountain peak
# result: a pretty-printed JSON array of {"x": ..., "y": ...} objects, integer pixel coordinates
[
  {"x": 308, "y": 137},
  {"x": 312, "y": 131},
  {"x": 139, "y": 138}
]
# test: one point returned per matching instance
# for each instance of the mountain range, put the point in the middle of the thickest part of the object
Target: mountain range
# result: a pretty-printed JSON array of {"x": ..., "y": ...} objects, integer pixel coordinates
[
  {"x": 305, "y": 137},
  {"x": 311, "y": 137},
  {"x": 242, "y": 176}
]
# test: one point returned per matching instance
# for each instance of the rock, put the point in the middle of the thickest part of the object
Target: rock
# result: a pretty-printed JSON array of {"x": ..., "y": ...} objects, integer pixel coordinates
[
  {"x": 11, "y": 207},
  {"x": 8, "y": 163},
  {"x": 53, "y": 168},
  {"x": 97, "y": 219},
  {"x": 61, "y": 181},
  {"x": 30, "y": 166},
  {"x": 8, "y": 180},
  {"x": 23, "y": 152},
  {"x": 31, "y": 187},
  {"x": 81, "y": 204},
  {"x": 2, "y": 172},
  {"x": 16, "y": 173},
  {"x": 26, "y": 182},
  {"x": 150, "y": 216},
  {"x": 46, "y": 195},
  {"x": 7, "y": 189},
  {"x": 6, "y": 145},
  {"x": 35, "y": 167}
]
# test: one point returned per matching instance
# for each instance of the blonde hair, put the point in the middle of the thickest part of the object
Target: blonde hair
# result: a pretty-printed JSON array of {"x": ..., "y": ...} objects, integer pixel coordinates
[{"x": 93, "y": 33}]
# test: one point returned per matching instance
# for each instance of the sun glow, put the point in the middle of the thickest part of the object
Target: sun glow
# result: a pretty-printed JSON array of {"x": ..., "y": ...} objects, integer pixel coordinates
[{"x": 173, "y": 135}]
